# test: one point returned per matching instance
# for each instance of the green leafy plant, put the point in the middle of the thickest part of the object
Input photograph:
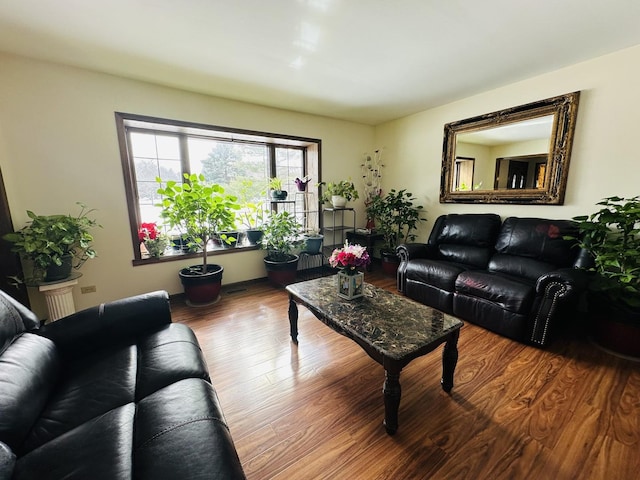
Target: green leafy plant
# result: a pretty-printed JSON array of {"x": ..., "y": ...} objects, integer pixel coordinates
[
  {"x": 395, "y": 216},
  {"x": 275, "y": 183},
  {"x": 199, "y": 210},
  {"x": 252, "y": 213},
  {"x": 47, "y": 239},
  {"x": 343, "y": 188},
  {"x": 280, "y": 236},
  {"x": 612, "y": 236}
]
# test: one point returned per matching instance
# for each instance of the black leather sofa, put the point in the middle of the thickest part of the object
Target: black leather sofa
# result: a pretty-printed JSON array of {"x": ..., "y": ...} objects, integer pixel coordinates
[
  {"x": 520, "y": 278},
  {"x": 112, "y": 392}
]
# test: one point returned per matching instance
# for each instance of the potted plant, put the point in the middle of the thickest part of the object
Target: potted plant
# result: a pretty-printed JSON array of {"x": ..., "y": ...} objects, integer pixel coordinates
[
  {"x": 396, "y": 217},
  {"x": 279, "y": 239},
  {"x": 612, "y": 237},
  {"x": 200, "y": 211},
  {"x": 275, "y": 185},
  {"x": 312, "y": 242},
  {"x": 252, "y": 213},
  {"x": 154, "y": 241},
  {"x": 301, "y": 183},
  {"x": 54, "y": 244},
  {"x": 338, "y": 193}
]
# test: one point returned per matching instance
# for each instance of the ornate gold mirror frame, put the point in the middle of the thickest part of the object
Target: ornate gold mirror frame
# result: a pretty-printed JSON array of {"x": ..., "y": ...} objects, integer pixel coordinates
[{"x": 474, "y": 169}]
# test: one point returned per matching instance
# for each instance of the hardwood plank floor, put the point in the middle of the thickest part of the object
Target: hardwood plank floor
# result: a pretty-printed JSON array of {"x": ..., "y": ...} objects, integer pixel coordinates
[{"x": 315, "y": 410}]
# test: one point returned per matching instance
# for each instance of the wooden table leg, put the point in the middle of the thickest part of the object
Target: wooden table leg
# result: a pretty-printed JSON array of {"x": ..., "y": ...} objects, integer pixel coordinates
[
  {"x": 392, "y": 393},
  {"x": 293, "y": 319},
  {"x": 449, "y": 361}
]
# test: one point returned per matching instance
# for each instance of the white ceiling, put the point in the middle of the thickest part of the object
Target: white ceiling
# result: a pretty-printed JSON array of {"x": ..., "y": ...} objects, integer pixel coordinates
[{"x": 362, "y": 60}]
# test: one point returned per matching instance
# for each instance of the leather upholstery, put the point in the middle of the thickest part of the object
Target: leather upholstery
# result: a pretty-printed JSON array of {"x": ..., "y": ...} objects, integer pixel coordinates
[
  {"x": 519, "y": 278},
  {"x": 114, "y": 392}
]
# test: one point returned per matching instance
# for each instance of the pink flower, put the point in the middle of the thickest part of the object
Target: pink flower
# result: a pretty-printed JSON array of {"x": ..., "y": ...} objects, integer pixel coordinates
[{"x": 350, "y": 257}]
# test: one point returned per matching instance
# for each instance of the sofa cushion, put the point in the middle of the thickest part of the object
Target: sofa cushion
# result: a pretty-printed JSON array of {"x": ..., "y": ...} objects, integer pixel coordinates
[
  {"x": 29, "y": 369},
  {"x": 99, "y": 449},
  {"x": 438, "y": 273},
  {"x": 528, "y": 268},
  {"x": 511, "y": 293},
  {"x": 540, "y": 239},
  {"x": 467, "y": 239},
  {"x": 87, "y": 389},
  {"x": 182, "y": 414}
]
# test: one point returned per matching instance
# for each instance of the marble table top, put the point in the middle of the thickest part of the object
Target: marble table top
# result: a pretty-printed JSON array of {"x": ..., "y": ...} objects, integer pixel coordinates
[{"x": 395, "y": 326}]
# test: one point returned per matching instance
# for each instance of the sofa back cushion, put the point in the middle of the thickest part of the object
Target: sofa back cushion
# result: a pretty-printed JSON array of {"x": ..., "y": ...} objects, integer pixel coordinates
[
  {"x": 15, "y": 318},
  {"x": 530, "y": 247},
  {"x": 465, "y": 238}
]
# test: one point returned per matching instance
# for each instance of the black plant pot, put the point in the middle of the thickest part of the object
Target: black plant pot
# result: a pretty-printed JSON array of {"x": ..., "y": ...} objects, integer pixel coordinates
[
  {"x": 615, "y": 327},
  {"x": 281, "y": 273},
  {"x": 254, "y": 236},
  {"x": 56, "y": 273},
  {"x": 279, "y": 194},
  {"x": 201, "y": 289}
]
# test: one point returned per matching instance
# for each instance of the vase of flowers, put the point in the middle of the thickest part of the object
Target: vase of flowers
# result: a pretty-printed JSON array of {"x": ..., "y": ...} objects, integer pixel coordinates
[
  {"x": 153, "y": 239},
  {"x": 350, "y": 259}
]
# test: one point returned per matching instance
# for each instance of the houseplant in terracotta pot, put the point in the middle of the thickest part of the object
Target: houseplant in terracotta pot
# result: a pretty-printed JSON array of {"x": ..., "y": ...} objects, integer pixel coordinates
[
  {"x": 338, "y": 193},
  {"x": 612, "y": 236},
  {"x": 53, "y": 245},
  {"x": 280, "y": 238},
  {"x": 200, "y": 211},
  {"x": 396, "y": 218}
]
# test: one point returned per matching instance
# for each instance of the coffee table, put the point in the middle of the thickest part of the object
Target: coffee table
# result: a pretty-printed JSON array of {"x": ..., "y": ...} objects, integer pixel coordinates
[{"x": 392, "y": 329}]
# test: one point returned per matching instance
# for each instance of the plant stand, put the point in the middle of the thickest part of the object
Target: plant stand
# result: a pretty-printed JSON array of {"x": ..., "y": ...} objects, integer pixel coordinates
[{"x": 59, "y": 296}]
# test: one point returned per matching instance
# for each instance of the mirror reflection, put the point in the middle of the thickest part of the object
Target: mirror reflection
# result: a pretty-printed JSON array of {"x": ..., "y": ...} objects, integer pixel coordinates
[{"x": 518, "y": 155}]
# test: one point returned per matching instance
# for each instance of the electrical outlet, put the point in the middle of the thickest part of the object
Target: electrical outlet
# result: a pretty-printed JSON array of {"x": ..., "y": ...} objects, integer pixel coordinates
[{"x": 89, "y": 289}]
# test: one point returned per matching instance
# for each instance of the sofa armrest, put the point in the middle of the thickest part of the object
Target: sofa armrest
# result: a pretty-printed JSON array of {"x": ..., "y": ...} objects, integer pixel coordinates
[
  {"x": 406, "y": 252},
  {"x": 562, "y": 286},
  {"x": 409, "y": 251},
  {"x": 574, "y": 281},
  {"x": 108, "y": 323}
]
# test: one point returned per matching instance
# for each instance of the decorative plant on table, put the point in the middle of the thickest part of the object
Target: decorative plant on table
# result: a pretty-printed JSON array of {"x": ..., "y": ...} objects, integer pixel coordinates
[
  {"x": 275, "y": 185},
  {"x": 344, "y": 189},
  {"x": 54, "y": 244},
  {"x": 350, "y": 258},
  {"x": 200, "y": 211},
  {"x": 612, "y": 236},
  {"x": 154, "y": 240},
  {"x": 252, "y": 213},
  {"x": 302, "y": 183}
]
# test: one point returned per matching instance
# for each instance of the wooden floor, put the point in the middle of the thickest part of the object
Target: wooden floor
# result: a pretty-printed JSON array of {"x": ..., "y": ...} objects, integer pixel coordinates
[{"x": 315, "y": 410}]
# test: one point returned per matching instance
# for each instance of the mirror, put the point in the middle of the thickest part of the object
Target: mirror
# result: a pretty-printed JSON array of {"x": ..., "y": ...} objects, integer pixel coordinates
[{"x": 518, "y": 155}]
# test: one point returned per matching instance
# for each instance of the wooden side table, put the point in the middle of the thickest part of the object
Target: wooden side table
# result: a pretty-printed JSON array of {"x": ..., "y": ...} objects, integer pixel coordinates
[{"x": 366, "y": 239}]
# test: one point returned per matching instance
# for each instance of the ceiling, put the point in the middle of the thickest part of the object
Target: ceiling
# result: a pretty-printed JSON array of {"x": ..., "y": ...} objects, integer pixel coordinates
[{"x": 366, "y": 61}]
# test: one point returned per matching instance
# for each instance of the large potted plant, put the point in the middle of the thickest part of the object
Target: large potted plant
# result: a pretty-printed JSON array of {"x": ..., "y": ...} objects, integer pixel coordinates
[
  {"x": 52, "y": 245},
  {"x": 338, "y": 193},
  {"x": 396, "y": 218},
  {"x": 279, "y": 239},
  {"x": 200, "y": 211},
  {"x": 612, "y": 236}
]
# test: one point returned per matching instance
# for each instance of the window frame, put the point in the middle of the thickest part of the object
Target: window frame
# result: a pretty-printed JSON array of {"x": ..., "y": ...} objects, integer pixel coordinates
[{"x": 126, "y": 122}]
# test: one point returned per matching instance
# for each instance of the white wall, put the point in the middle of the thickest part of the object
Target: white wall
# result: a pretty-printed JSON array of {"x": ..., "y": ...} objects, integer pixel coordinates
[
  {"x": 58, "y": 146},
  {"x": 604, "y": 161}
]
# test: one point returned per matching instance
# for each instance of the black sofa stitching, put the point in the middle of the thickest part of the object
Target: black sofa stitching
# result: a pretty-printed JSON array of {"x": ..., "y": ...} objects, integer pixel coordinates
[
  {"x": 175, "y": 341},
  {"x": 180, "y": 425}
]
